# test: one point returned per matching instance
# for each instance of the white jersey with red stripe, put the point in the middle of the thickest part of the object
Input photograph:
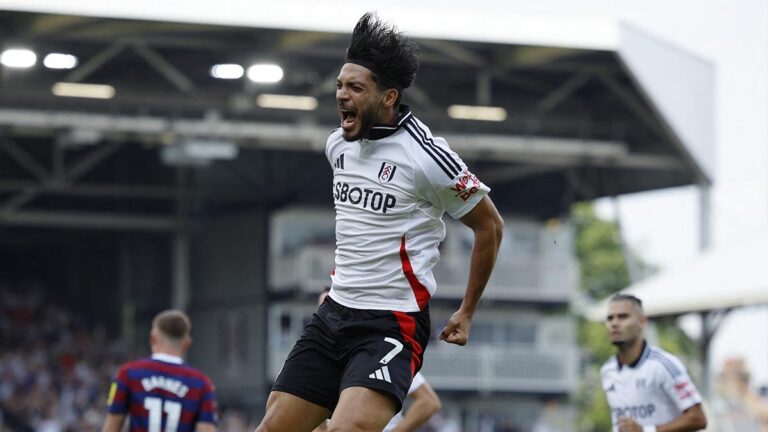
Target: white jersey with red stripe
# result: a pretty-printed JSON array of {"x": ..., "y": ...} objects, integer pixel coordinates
[
  {"x": 390, "y": 191},
  {"x": 654, "y": 390}
]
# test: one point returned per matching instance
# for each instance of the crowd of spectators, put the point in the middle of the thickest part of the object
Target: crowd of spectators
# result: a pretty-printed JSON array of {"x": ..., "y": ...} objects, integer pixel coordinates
[{"x": 55, "y": 368}]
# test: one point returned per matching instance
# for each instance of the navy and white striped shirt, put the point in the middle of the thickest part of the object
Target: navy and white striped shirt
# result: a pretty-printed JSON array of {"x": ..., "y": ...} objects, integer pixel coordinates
[{"x": 162, "y": 394}]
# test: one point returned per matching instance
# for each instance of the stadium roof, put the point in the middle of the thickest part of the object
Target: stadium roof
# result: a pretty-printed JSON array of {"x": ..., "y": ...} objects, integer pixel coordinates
[
  {"x": 721, "y": 278},
  {"x": 595, "y": 107}
]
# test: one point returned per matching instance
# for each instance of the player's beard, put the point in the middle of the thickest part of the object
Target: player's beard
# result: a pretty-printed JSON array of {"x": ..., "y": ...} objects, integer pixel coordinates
[
  {"x": 620, "y": 344},
  {"x": 367, "y": 119},
  {"x": 625, "y": 342}
]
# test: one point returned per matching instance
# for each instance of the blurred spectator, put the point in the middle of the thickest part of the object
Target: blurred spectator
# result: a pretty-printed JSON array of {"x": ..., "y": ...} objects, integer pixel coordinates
[
  {"x": 736, "y": 406},
  {"x": 54, "y": 372},
  {"x": 551, "y": 419}
]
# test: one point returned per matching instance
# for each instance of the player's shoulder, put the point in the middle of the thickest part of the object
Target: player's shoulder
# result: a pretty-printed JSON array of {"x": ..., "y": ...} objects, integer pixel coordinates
[
  {"x": 335, "y": 137},
  {"x": 335, "y": 133},
  {"x": 186, "y": 370},
  {"x": 418, "y": 132},
  {"x": 665, "y": 362},
  {"x": 137, "y": 364},
  {"x": 172, "y": 368},
  {"x": 198, "y": 374},
  {"x": 609, "y": 366},
  {"x": 431, "y": 152}
]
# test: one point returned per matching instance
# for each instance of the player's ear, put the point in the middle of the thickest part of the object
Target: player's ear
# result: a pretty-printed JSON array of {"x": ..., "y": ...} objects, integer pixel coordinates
[
  {"x": 186, "y": 344},
  {"x": 390, "y": 97}
]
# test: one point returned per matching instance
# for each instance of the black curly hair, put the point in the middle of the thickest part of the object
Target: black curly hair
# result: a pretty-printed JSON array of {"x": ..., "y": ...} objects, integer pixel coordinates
[{"x": 389, "y": 54}]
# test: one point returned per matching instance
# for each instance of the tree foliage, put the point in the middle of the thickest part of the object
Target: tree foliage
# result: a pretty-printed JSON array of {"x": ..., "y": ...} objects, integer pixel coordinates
[{"x": 601, "y": 257}]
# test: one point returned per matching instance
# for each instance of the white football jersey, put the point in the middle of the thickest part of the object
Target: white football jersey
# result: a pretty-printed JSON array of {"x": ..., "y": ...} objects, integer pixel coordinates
[
  {"x": 653, "y": 391},
  {"x": 390, "y": 191},
  {"x": 418, "y": 381}
]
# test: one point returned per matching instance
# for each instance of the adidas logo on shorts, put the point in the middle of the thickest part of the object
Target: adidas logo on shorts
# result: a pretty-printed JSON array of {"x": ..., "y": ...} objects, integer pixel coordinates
[{"x": 381, "y": 374}]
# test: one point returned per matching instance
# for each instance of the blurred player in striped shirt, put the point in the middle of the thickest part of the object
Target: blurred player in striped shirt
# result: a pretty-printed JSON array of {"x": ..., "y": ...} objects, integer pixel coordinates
[{"x": 162, "y": 393}]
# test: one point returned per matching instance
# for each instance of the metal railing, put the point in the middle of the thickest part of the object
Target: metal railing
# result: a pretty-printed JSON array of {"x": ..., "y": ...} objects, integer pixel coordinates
[
  {"x": 515, "y": 277},
  {"x": 524, "y": 277},
  {"x": 490, "y": 368},
  {"x": 308, "y": 269}
]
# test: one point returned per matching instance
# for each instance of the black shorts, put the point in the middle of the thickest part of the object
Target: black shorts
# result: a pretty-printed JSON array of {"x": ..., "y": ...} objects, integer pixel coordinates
[{"x": 343, "y": 347}]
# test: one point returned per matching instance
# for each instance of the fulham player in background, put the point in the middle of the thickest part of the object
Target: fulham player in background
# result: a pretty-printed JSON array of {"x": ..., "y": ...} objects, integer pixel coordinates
[{"x": 647, "y": 388}]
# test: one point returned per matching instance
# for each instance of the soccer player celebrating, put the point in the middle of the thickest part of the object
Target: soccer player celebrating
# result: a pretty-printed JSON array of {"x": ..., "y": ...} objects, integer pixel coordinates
[
  {"x": 162, "y": 394},
  {"x": 647, "y": 388},
  {"x": 392, "y": 182}
]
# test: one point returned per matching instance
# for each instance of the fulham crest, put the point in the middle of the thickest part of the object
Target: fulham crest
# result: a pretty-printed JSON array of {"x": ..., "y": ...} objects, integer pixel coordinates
[{"x": 386, "y": 172}]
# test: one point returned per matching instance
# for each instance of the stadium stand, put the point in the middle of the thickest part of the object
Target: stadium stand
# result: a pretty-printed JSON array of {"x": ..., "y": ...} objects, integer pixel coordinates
[{"x": 54, "y": 367}]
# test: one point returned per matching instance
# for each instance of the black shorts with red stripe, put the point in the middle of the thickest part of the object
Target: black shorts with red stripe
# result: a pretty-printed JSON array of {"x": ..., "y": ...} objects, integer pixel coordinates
[{"x": 343, "y": 347}]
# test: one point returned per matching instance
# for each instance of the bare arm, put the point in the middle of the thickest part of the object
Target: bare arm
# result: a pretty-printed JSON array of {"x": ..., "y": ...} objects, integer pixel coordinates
[
  {"x": 113, "y": 423},
  {"x": 691, "y": 420},
  {"x": 205, "y": 427},
  {"x": 425, "y": 405},
  {"x": 487, "y": 225}
]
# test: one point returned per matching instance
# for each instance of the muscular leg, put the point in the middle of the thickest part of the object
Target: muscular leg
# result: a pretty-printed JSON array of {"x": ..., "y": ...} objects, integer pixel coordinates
[
  {"x": 361, "y": 409},
  {"x": 289, "y": 413}
]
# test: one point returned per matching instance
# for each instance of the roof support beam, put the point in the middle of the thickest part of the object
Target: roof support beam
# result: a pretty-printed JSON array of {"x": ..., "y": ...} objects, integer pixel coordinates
[
  {"x": 90, "y": 220},
  {"x": 506, "y": 174},
  {"x": 166, "y": 69},
  {"x": 23, "y": 158},
  {"x": 630, "y": 101},
  {"x": 95, "y": 62},
  {"x": 483, "y": 88},
  {"x": 562, "y": 93},
  {"x": 91, "y": 160},
  {"x": 526, "y": 149},
  {"x": 81, "y": 168},
  {"x": 93, "y": 190},
  {"x": 455, "y": 51}
]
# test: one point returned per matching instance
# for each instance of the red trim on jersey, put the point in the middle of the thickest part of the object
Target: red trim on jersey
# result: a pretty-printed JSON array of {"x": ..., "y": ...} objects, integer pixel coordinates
[
  {"x": 408, "y": 331},
  {"x": 420, "y": 291},
  {"x": 130, "y": 393}
]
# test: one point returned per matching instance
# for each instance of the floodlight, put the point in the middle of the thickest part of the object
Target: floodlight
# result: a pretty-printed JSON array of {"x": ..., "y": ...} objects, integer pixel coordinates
[
  {"x": 277, "y": 101},
  {"x": 227, "y": 71},
  {"x": 60, "y": 61},
  {"x": 18, "y": 58},
  {"x": 482, "y": 113},
  {"x": 265, "y": 73}
]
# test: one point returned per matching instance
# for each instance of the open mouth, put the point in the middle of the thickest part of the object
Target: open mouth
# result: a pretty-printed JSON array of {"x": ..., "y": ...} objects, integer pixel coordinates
[{"x": 348, "y": 118}]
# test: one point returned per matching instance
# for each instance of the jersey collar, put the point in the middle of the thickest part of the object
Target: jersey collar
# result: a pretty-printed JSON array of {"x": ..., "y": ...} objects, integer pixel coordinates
[
  {"x": 168, "y": 358},
  {"x": 640, "y": 359},
  {"x": 379, "y": 131}
]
